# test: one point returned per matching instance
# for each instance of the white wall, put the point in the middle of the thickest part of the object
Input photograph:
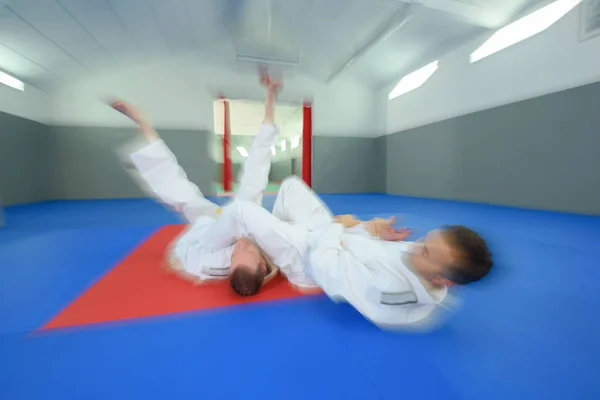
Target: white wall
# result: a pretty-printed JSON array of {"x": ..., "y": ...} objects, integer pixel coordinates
[
  {"x": 552, "y": 61},
  {"x": 31, "y": 103},
  {"x": 163, "y": 91},
  {"x": 178, "y": 93},
  {"x": 345, "y": 109}
]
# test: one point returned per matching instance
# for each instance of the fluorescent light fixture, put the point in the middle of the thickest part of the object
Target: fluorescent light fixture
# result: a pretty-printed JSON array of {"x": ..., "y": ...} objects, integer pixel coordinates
[
  {"x": 242, "y": 151},
  {"x": 524, "y": 28},
  {"x": 11, "y": 81},
  {"x": 295, "y": 141},
  {"x": 283, "y": 145},
  {"x": 414, "y": 80},
  {"x": 273, "y": 150}
]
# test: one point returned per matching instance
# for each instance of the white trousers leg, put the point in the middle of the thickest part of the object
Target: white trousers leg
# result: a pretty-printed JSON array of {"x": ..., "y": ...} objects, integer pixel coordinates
[{"x": 299, "y": 205}]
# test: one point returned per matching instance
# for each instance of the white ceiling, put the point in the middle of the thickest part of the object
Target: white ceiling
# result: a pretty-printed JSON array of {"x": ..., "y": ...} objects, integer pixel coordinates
[{"x": 48, "y": 42}]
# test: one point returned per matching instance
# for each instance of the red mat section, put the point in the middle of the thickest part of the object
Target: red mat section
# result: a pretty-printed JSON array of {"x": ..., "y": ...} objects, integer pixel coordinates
[{"x": 140, "y": 287}]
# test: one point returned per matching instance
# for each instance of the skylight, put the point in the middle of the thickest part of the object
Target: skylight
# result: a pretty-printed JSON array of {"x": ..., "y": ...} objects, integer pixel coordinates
[
  {"x": 524, "y": 28},
  {"x": 414, "y": 80},
  {"x": 11, "y": 81}
]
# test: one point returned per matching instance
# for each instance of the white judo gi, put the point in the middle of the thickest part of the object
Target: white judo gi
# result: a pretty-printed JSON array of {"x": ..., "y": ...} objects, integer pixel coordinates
[
  {"x": 204, "y": 250},
  {"x": 300, "y": 237},
  {"x": 372, "y": 275}
]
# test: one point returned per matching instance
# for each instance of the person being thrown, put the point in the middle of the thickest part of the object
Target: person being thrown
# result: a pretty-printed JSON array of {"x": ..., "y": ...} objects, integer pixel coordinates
[
  {"x": 214, "y": 246},
  {"x": 195, "y": 255}
]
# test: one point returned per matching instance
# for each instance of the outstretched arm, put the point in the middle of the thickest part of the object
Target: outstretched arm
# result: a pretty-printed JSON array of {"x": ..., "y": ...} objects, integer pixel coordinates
[
  {"x": 272, "y": 86},
  {"x": 137, "y": 116},
  {"x": 255, "y": 173},
  {"x": 158, "y": 171}
]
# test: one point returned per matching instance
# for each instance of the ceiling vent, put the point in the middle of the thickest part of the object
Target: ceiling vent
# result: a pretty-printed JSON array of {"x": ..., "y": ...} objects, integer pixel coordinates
[{"x": 251, "y": 57}]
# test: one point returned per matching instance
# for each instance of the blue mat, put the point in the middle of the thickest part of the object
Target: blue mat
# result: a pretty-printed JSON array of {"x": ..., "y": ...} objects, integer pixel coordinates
[{"x": 528, "y": 332}]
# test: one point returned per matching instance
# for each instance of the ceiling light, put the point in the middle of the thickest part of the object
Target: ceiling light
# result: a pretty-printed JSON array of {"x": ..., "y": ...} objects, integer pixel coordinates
[
  {"x": 283, "y": 145},
  {"x": 295, "y": 141},
  {"x": 242, "y": 151},
  {"x": 414, "y": 80},
  {"x": 11, "y": 81},
  {"x": 273, "y": 150},
  {"x": 524, "y": 28}
]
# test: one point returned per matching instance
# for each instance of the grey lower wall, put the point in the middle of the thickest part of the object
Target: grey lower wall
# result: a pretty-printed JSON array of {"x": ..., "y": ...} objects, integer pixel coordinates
[
  {"x": 378, "y": 170},
  {"x": 297, "y": 166},
  {"x": 2, "y": 222},
  {"x": 345, "y": 165},
  {"x": 539, "y": 153},
  {"x": 86, "y": 165},
  {"x": 280, "y": 170},
  {"x": 23, "y": 159}
]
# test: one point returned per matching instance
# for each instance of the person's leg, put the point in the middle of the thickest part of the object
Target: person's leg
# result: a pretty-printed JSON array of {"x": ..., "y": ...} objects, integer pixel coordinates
[
  {"x": 280, "y": 240},
  {"x": 256, "y": 168},
  {"x": 299, "y": 205}
]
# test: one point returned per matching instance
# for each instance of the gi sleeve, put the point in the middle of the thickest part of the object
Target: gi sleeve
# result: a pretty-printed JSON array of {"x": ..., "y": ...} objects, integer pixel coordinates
[
  {"x": 329, "y": 263},
  {"x": 255, "y": 174},
  {"x": 159, "y": 173},
  {"x": 191, "y": 258},
  {"x": 360, "y": 230}
]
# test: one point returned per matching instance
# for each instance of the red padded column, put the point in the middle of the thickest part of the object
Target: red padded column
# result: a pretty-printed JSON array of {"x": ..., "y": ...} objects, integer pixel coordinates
[
  {"x": 227, "y": 165},
  {"x": 307, "y": 144}
]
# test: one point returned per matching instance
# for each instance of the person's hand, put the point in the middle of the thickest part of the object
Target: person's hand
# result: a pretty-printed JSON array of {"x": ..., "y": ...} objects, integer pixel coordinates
[
  {"x": 129, "y": 111},
  {"x": 382, "y": 228},
  {"x": 347, "y": 220},
  {"x": 377, "y": 225},
  {"x": 393, "y": 235},
  {"x": 272, "y": 85}
]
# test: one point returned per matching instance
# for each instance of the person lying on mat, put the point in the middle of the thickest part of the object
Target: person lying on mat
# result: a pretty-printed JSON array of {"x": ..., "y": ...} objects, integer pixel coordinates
[
  {"x": 396, "y": 283},
  {"x": 390, "y": 282},
  {"x": 199, "y": 254},
  {"x": 209, "y": 249}
]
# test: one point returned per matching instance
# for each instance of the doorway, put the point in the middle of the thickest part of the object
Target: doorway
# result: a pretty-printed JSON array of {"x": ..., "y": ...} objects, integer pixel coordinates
[{"x": 242, "y": 118}]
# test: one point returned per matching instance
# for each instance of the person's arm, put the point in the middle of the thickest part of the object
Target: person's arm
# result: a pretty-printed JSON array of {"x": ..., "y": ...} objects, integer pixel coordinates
[
  {"x": 347, "y": 220},
  {"x": 192, "y": 261},
  {"x": 146, "y": 129},
  {"x": 158, "y": 171},
  {"x": 324, "y": 258},
  {"x": 340, "y": 273},
  {"x": 256, "y": 168},
  {"x": 272, "y": 86},
  {"x": 376, "y": 228},
  {"x": 382, "y": 229}
]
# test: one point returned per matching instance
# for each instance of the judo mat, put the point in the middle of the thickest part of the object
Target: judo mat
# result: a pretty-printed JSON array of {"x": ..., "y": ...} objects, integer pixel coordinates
[
  {"x": 529, "y": 331},
  {"x": 140, "y": 286}
]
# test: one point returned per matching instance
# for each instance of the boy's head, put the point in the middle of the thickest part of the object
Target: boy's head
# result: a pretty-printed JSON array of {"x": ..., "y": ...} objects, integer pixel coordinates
[
  {"x": 452, "y": 255},
  {"x": 248, "y": 268}
]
